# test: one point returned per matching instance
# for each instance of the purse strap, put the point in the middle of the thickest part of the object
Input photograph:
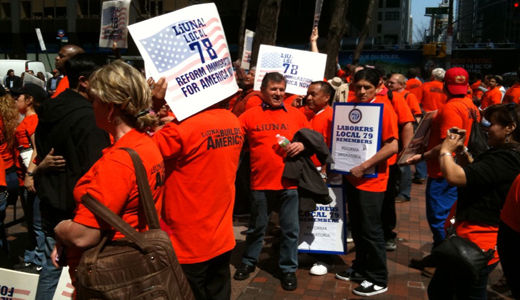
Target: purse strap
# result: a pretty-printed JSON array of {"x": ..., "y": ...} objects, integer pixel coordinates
[{"x": 146, "y": 200}]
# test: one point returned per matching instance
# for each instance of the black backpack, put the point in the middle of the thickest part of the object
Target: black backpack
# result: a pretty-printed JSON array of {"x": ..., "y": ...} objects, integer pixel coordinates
[{"x": 477, "y": 143}]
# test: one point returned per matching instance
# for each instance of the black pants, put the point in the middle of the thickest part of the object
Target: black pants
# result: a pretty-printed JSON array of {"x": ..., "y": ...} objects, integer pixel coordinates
[
  {"x": 210, "y": 279},
  {"x": 364, "y": 209},
  {"x": 508, "y": 244},
  {"x": 388, "y": 215}
]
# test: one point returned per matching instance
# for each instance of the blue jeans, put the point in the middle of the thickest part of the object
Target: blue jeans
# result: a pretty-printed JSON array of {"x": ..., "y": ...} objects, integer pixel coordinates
[
  {"x": 440, "y": 197},
  {"x": 420, "y": 170},
  {"x": 10, "y": 197},
  {"x": 49, "y": 275},
  {"x": 263, "y": 203},
  {"x": 405, "y": 184},
  {"x": 31, "y": 207}
]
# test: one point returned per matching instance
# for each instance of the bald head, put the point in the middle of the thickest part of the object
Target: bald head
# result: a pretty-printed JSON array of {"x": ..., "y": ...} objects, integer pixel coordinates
[
  {"x": 65, "y": 53},
  {"x": 396, "y": 82}
]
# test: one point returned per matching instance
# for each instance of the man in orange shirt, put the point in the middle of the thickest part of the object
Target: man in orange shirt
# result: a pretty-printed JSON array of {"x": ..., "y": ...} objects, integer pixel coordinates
[
  {"x": 493, "y": 95},
  {"x": 433, "y": 96},
  {"x": 513, "y": 93},
  {"x": 413, "y": 84},
  {"x": 64, "y": 54},
  {"x": 459, "y": 112},
  {"x": 261, "y": 125}
]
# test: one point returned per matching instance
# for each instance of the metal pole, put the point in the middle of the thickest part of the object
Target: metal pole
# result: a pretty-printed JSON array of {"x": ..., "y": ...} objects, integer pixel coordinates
[{"x": 449, "y": 35}]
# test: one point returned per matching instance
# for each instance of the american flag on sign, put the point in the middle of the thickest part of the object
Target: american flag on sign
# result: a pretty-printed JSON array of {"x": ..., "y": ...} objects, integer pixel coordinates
[
  {"x": 114, "y": 23},
  {"x": 271, "y": 61},
  {"x": 170, "y": 51}
]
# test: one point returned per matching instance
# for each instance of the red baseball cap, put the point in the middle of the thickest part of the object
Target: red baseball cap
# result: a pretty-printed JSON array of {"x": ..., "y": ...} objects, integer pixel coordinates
[{"x": 456, "y": 81}]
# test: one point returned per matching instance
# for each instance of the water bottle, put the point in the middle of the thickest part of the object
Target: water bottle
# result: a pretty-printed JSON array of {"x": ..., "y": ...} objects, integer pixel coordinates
[{"x": 282, "y": 141}]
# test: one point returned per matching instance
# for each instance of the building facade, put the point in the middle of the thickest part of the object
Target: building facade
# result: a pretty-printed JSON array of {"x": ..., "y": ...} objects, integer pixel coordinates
[{"x": 392, "y": 23}]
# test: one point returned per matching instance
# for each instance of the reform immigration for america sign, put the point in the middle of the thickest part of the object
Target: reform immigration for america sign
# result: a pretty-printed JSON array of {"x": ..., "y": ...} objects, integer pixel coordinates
[
  {"x": 356, "y": 135},
  {"x": 188, "y": 47},
  {"x": 299, "y": 68}
]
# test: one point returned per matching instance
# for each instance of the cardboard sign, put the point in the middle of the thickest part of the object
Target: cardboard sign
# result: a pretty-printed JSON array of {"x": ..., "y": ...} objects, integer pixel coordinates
[
  {"x": 188, "y": 47},
  {"x": 248, "y": 48},
  {"x": 356, "y": 135},
  {"x": 323, "y": 227},
  {"x": 299, "y": 68},
  {"x": 420, "y": 138},
  {"x": 114, "y": 24},
  {"x": 17, "y": 285}
]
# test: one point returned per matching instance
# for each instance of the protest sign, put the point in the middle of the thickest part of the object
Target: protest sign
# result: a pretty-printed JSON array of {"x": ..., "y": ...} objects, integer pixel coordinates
[
  {"x": 299, "y": 68},
  {"x": 114, "y": 24},
  {"x": 248, "y": 48},
  {"x": 64, "y": 289},
  {"x": 188, "y": 47},
  {"x": 323, "y": 227},
  {"x": 17, "y": 285},
  {"x": 356, "y": 135},
  {"x": 420, "y": 139}
]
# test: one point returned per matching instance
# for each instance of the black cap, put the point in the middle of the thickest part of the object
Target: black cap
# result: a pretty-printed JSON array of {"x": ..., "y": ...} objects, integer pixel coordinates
[{"x": 31, "y": 89}]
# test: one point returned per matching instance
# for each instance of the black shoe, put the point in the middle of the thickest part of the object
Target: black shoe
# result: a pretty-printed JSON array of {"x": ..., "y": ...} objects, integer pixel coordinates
[
  {"x": 420, "y": 264},
  {"x": 418, "y": 180},
  {"x": 243, "y": 271},
  {"x": 289, "y": 281},
  {"x": 350, "y": 275},
  {"x": 368, "y": 289},
  {"x": 390, "y": 244}
]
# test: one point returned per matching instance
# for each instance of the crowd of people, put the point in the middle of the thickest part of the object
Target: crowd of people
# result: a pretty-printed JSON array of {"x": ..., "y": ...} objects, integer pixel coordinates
[{"x": 63, "y": 142}]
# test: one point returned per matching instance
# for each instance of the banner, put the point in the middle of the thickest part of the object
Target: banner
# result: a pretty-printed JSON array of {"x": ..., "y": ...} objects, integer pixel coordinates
[
  {"x": 17, "y": 285},
  {"x": 188, "y": 47},
  {"x": 114, "y": 24},
  {"x": 356, "y": 135},
  {"x": 323, "y": 227},
  {"x": 248, "y": 48},
  {"x": 420, "y": 138},
  {"x": 299, "y": 67}
]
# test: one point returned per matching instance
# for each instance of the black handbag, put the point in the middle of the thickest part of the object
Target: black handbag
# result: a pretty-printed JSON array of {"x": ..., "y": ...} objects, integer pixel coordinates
[{"x": 461, "y": 255}]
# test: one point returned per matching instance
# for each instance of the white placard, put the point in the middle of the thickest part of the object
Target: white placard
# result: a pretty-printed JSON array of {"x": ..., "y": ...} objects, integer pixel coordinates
[
  {"x": 356, "y": 135},
  {"x": 299, "y": 68},
  {"x": 248, "y": 49},
  {"x": 189, "y": 48},
  {"x": 114, "y": 24},
  {"x": 17, "y": 285},
  {"x": 40, "y": 39},
  {"x": 322, "y": 229},
  {"x": 29, "y": 78},
  {"x": 64, "y": 289}
]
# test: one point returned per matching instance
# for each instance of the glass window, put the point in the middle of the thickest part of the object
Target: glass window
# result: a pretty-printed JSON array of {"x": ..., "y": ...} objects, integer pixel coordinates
[
  {"x": 391, "y": 15},
  {"x": 392, "y": 3}
]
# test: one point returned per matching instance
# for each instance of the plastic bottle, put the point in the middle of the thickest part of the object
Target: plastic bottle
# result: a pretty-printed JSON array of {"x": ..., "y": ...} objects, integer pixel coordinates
[{"x": 282, "y": 141}]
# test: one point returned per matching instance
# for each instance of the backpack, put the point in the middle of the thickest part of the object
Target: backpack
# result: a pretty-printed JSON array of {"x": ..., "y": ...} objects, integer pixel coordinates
[
  {"x": 142, "y": 265},
  {"x": 477, "y": 143}
]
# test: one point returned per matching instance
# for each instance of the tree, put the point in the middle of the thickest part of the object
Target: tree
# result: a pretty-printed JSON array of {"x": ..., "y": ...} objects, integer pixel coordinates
[
  {"x": 242, "y": 29},
  {"x": 364, "y": 32},
  {"x": 266, "y": 26},
  {"x": 337, "y": 29}
]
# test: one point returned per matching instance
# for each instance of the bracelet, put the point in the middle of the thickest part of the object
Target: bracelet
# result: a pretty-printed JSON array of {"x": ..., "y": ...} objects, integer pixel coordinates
[{"x": 445, "y": 153}]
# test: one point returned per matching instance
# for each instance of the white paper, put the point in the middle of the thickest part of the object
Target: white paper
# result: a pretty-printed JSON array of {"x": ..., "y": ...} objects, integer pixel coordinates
[
  {"x": 114, "y": 24},
  {"x": 248, "y": 49},
  {"x": 17, "y": 285}
]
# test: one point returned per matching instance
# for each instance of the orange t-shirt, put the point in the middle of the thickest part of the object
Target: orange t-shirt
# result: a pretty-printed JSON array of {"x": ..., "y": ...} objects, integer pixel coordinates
[
  {"x": 261, "y": 125},
  {"x": 511, "y": 209},
  {"x": 307, "y": 112},
  {"x": 25, "y": 129},
  {"x": 2, "y": 173},
  {"x": 412, "y": 102},
  {"x": 322, "y": 123},
  {"x": 476, "y": 92},
  {"x": 289, "y": 99},
  {"x": 491, "y": 97},
  {"x": 512, "y": 94},
  {"x": 388, "y": 131},
  {"x": 62, "y": 86},
  {"x": 201, "y": 155},
  {"x": 5, "y": 152},
  {"x": 433, "y": 96},
  {"x": 456, "y": 113},
  {"x": 485, "y": 236},
  {"x": 253, "y": 99},
  {"x": 414, "y": 86}
]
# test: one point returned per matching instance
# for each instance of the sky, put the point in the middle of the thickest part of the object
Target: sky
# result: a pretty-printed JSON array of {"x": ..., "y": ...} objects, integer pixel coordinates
[{"x": 419, "y": 20}]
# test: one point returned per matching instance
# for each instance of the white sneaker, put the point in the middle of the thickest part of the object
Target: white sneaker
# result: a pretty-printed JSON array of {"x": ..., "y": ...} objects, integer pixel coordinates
[
  {"x": 318, "y": 269},
  {"x": 367, "y": 288}
]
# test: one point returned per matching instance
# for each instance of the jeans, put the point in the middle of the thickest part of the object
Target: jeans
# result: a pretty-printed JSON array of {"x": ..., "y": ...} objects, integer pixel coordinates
[
  {"x": 508, "y": 245},
  {"x": 420, "y": 170},
  {"x": 405, "y": 184},
  {"x": 264, "y": 201},
  {"x": 10, "y": 197},
  {"x": 364, "y": 211},
  {"x": 447, "y": 283},
  {"x": 49, "y": 275},
  {"x": 3, "y": 237},
  {"x": 210, "y": 279},
  {"x": 31, "y": 207},
  {"x": 440, "y": 197}
]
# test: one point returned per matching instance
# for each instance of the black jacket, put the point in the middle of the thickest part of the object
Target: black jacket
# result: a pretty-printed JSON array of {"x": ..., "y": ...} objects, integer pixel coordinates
[
  {"x": 302, "y": 169},
  {"x": 66, "y": 124}
]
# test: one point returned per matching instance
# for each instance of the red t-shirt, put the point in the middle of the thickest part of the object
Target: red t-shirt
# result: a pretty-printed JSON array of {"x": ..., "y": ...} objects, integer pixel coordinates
[
  {"x": 267, "y": 158},
  {"x": 511, "y": 210},
  {"x": 25, "y": 129},
  {"x": 414, "y": 86},
  {"x": 388, "y": 131},
  {"x": 433, "y": 96},
  {"x": 5, "y": 152},
  {"x": 456, "y": 113},
  {"x": 512, "y": 94},
  {"x": 322, "y": 123},
  {"x": 491, "y": 97},
  {"x": 62, "y": 86},
  {"x": 201, "y": 155}
]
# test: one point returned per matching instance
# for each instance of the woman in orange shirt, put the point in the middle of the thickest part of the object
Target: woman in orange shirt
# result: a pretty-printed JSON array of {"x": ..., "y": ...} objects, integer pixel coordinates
[
  {"x": 365, "y": 196},
  {"x": 121, "y": 101}
]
